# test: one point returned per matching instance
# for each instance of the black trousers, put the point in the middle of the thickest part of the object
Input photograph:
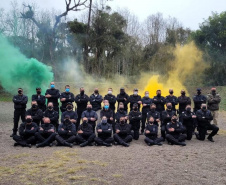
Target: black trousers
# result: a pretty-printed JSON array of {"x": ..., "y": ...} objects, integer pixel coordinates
[
  {"x": 45, "y": 139},
  {"x": 18, "y": 113},
  {"x": 135, "y": 127},
  {"x": 100, "y": 141},
  {"x": 163, "y": 131},
  {"x": 144, "y": 119},
  {"x": 203, "y": 130},
  {"x": 79, "y": 113},
  {"x": 62, "y": 139},
  {"x": 176, "y": 139},
  {"x": 188, "y": 131},
  {"x": 23, "y": 141},
  {"x": 81, "y": 138},
  {"x": 123, "y": 139},
  {"x": 153, "y": 141}
]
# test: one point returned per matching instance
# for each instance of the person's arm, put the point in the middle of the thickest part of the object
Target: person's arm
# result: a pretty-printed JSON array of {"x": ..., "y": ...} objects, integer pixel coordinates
[
  {"x": 95, "y": 115},
  {"x": 55, "y": 117},
  {"x": 21, "y": 129},
  {"x": 73, "y": 129},
  {"x": 34, "y": 129},
  {"x": 120, "y": 99},
  {"x": 154, "y": 132},
  {"x": 61, "y": 131},
  {"x": 176, "y": 101},
  {"x": 33, "y": 98},
  {"x": 99, "y": 99},
  {"x": 38, "y": 115},
  {"x": 62, "y": 117},
  {"x": 200, "y": 117},
  {"x": 179, "y": 129},
  {"x": 163, "y": 101},
  {"x": 209, "y": 116},
  {"x": 108, "y": 131}
]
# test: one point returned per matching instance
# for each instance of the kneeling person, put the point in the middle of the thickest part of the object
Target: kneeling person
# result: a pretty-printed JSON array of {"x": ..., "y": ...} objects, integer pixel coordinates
[
  {"x": 174, "y": 130},
  {"x": 46, "y": 134},
  {"x": 85, "y": 134},
  {"x": 104, "y": 131},
  {"x": 151, "y": 133},
  {"x": 66, "y": 133},
  {"x": 27, "y": 132},
  {"x": 123, "y": 133}
]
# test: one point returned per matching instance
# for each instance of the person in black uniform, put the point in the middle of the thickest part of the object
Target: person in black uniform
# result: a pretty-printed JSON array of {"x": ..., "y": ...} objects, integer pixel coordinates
[
  {"x": 135, "y": 98},
  {"x": 204, "y": 117},
  {"x": 66, "y": 133},
  {"x": 146, "y": 102},
  {"x": 153, "y": 113},
  {"x": 40, "y": 99},
  {"x": 27, "y": 132},
  {"x": 96, "y": 100},
  {"x": 198, "y": 100},
  {"x": 81, "y": 100},
  {"x": 175, "y": 130},
  {"x": 123, "y": 97},
  {"x": 69, "y": 111},
  {"x": 123, "y": 133},
  {"x": 166, "y": 117},
  {"x": 53, "y": 95},
  {"x": 91, "y": 116},
  {"x": 35, "y": 113},
  {"x": 66, "y": 97},
  {"x": 151, "y": 133},
  {"x": 52, "y": 115},
  {"x": 85, "y": 134},
  {"x": 183, "y": 101},
  {"x": 121, "y": 113},
  {"x": 46, "y": 134},
  {"x": 20, "y": 102},
  {"x": 104, "y": 131},
  {"x": 111, "y": 99},
  {"x": 159, "y": 101},
  {"x": 188, "y": 120},
  {"x": 172, "y": 99},
  {"x": 135, "y": 117},
  {"x": 108, "y": 113}
]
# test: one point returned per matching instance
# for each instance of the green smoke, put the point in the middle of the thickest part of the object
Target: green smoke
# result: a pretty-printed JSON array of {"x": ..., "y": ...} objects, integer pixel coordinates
[{"x": 18, "y": 71}]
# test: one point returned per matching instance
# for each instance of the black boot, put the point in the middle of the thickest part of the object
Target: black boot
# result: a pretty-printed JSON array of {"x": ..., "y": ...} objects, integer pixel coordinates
[
  {"x": 84, "y": 144},
  {"x": 106, "y": 144},
  {"x": 68, "y": 144},
  {"x": 125, "y": 144}
]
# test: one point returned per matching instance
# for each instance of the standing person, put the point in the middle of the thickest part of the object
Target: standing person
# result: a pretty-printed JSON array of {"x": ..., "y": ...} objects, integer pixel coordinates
[
  {"x": 198, "y": 99},
  {"x": 135, "y": 98},
  {"x": 159, "y": 101},
  {"x": 151, "y": 133},
  {"x": 81, "y": 100},
  {"x": 46, "y": 134},
  {"x": 66, "y": 97},
  {"x": 53, "y": 95},
  {"x": 52, "y": 115},
  {"x": 27, "y": 132},
  {"x": 146, "y": 102},
  {"x": 40, "y": 99},
  {"x": 123, "y": 133},
  {"x": 91, "y": 116},
  {"x": 135, "y": 117},
  {"x": 104, "y": 131},
  {"x": 123, "y": 97},
  {"x": 175, "y": 130},
  {"x": 204, "y": 117},
  {"x": 172, "y": 99},
  {"x": 188, "y": 119},
  {"x": 183, "y": 101},
  {"x": 213, "y": 101},
  {"x": 35, "y": 113},
  {"x": 111, "y": 99},
  {"x": 96, "y": 100},
  {"x": 166, "y": 117},
  {"x": 20, "y": 102}
]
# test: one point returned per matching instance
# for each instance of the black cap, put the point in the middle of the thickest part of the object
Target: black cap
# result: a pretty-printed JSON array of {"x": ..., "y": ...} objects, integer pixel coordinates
[{"x": 199, "y": 89}]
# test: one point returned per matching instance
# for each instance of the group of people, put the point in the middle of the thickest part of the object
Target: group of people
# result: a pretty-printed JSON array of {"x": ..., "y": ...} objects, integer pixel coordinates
[{"x": 105, "y": 125}]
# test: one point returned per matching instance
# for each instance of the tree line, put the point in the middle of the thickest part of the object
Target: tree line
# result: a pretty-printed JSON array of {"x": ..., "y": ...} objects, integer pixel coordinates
[{"x": 106, "y": 42}]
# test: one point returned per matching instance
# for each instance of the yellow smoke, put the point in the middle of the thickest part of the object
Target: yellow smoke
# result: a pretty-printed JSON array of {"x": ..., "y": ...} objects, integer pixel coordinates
[{"x": 187, "y": 66}]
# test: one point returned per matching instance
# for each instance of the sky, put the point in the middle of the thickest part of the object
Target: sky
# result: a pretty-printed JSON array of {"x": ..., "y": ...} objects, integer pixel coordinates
[{"x": 188, "y": 12}]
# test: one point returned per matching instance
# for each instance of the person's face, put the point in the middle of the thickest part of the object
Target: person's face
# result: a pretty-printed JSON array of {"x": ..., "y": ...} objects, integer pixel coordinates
[
  {"x": 151, "y": 120},
  {"x": 153, "y": 107},
  {"x": 20, "y": 91},
  {"x": 33, "y": 104},
  {"x": 85, "y": 120},
  {"x": 158, "y": 93}
]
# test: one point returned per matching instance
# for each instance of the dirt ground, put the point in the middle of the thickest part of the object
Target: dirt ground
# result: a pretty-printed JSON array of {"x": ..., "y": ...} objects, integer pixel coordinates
[{"x": 197, "y": 163}]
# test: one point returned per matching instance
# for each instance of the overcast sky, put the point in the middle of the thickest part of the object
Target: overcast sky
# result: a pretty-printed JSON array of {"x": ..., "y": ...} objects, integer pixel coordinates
[{"x": 189, "y": 12}]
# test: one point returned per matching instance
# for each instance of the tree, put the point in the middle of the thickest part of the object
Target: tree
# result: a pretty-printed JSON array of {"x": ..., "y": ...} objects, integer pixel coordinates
[{"x": 211, "y": 38}]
